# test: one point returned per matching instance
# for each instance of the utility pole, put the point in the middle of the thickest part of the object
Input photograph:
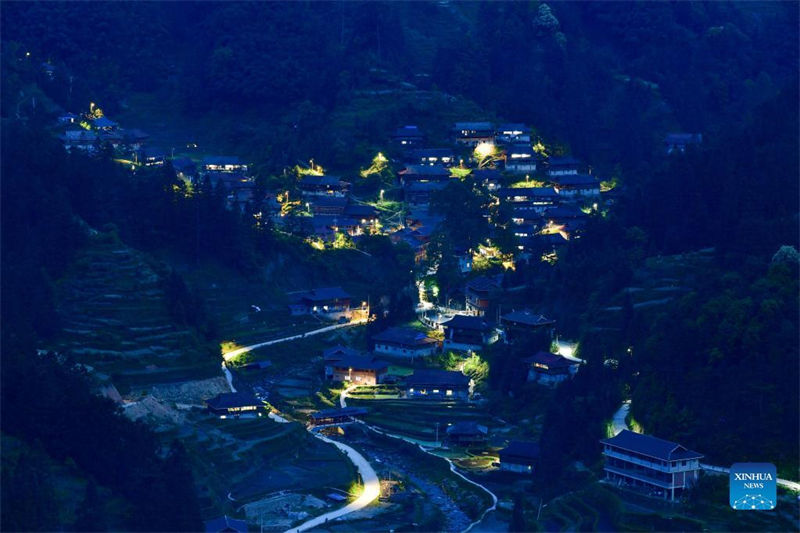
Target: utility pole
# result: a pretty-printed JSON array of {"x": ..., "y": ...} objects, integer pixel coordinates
[{"x": 437, "y": 433}]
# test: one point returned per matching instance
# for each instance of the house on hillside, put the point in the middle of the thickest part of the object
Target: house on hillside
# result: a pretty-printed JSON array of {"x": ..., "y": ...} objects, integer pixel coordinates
[
  {"x": 467, "y": 434},
  {"x": 152, "y": 157},
  {"x": 134, "y": 139},
  {"x": 519, "y": 456},
  {"x": 103, "y": 124},
  {"x": 68, "y": 118},
  {"x": 234, "y": 404},
  {"x": 512, "y": 133},
  {"x": 468, "y": 333},
  {"x": 83, "y": 140},
  {"x": 655, "y": 466},
  {"x": 432, "y": 156},
  {"x": 405, "y": 342},
  {"x": 419, "y": 193},
  {"x": 438, "y": 385},
  {"x": 520, "y": 159},
  {"x": 331, "y": 302},
  {"x": 575, "y": 185},
  {"x": 328, "y": 205},
  {"x": 563, "y": 166},
  {"x": 225, "y": 524},
  {"x": 223, "y": 163},
  {"x": 518, "y": 323},
  {"x": 549, "y": 368},
  {"x": 423, "y": 173},
  {"x": 490, "y": 178},
  {"x": 479, "y": 293},
  {"x": 473, "y": 133},
  {"x": 185, "y": 168},
  {"x": 408, "y": 136},
  {"x": 536, "y": 199},
  {"x": 678, "y": 142},
  {"x": 323, "y": 186},
  {"x": 355, "y": 368}
]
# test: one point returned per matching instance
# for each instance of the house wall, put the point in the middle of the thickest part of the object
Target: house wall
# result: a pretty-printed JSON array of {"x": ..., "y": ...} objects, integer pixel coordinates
[
  {"x": 442, "y": 394},
  {"x": 398, "y": 351},
  {"x": 521, "y": 167},
  {"x": 361, "y": 377}
]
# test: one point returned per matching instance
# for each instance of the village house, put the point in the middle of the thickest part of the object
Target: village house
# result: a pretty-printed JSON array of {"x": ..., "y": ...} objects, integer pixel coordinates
[
  {"x": 134, "y": 139},
  {"x": 438, "y": 384},
  {"x": 512, "y": 133},
  {"x": 473, "y": 133},
  {"x": 223, "y": 163},
  {"x": 526, "y": 215},
  {"x": 563, "y": 214},
  {"x": 468, "y": 333},
  {"x": 336, "y": 417},
  {"x": 520, "y": 159},
  {"x": 416, "y": 240},
  {"x": 104, "y": 124},
  {"x": 360, "y": 219},
  {"x": 355, "y": 368},
  {"x": 678, "y": 142},
  {"x": 467, "y": 434},
  {"x": 185, "y": 168},
  {"x": 323, "y": 186},
  {"x": 432, "y": 156},
  {"x": 563, "y": 166},
  {"x": 463, "y": 257},
  {"x": 408, "y": 136},
  {"x": 423, "y": 173},
  {"x": 490, "y": 178},
  {"x": 519, "y": 456},
  {"x": 550, "y": 368},
  {"x": 225, "y": 524},
  {"x": 405, "y": 342},
  {"x": 419, "y": 193},
  {"x": 537, "y": 199},
  {"x": 517, "y": 323},
  {"x": 327, "y": 205},
  {"x": 331, "y": 302},
  {"x": 67, "y": 118},
  {"x": 234, "y": 404},
  {"x": 574, "y": 185},
  {"x": 479, "y": 293},
  {"x": 152, "y": 157},
  {"x": 656, "y": 466},
  {"x": 84, "y": 140}
]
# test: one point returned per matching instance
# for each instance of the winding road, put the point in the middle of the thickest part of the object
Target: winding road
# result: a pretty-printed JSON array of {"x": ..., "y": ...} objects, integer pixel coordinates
[
  {"x": 239, "y": 351},
  {"x": 343, "y": 404}
]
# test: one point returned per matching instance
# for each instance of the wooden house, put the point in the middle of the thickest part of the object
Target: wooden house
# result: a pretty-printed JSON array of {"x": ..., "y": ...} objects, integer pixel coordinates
[
  {"x": 550, "y": 368},
  {"x": 563, "y": 166},
  {"x": 405, "y": 342},
  {"x": 468, "y": 333},
  {"x": 331, "y": 302},
  {"x": 467, "y": 434},
  {"x": 479, "y": 293},
  {"x": 473, "y": 133},
  {"x": 234, "y": 404},
  {"x": 438, "y": 385},
  {"x": 519, "y": 456}
]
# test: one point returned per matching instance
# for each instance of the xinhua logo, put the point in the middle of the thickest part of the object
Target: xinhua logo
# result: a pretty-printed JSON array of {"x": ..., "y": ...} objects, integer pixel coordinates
[{"x": 753, "y": 486}]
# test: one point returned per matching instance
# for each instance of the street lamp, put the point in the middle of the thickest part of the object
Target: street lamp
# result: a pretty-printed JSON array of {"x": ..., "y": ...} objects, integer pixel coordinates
[{"x": 381, "y": 197}]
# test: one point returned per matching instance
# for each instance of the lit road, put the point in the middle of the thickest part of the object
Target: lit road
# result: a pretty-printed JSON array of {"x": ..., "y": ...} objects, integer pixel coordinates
[
  {"x": 343, "y": 404},
  {"x": 371, "y": 488},
  {"x": 239, "y": 351},
  {"x": 618, "y": 422}
]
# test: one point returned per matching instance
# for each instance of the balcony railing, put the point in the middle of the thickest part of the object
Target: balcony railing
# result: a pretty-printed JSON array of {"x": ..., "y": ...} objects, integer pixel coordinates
[
  {"x": 641, "y": 477},
  {"x": 676, "y": 467}
]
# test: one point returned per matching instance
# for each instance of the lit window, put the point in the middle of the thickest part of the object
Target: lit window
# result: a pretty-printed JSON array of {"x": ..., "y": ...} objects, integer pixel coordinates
[
  {"x": 449, "y": 392},
  {"x": 436, "y": 391}
]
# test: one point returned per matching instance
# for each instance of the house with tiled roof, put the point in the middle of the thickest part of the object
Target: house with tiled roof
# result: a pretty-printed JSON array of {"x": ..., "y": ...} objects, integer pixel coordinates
[{"x": 549, "y": 369}]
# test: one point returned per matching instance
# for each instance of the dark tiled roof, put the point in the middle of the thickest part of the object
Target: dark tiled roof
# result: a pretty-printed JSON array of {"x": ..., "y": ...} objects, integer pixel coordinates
[
  {"x": 520, "y": 449},
  {"x": 338, "y": 352},
  {"x": 563, "y": 161},
  {"x": 551, "y": 360},
  {"x": 575, "y": 180},
  {"x": 563, "y": 212},
  {"x": 408, "y": 131},
  {"x": 360, "y": 211},
  {"x": 422, "y": 186},
  {"x": 482, "y": 283},
  {"x": 467, "y": 322},
  {"x": 419, "y": 153},
  {"x": 532, "y": 192},
  {"x": 519, "y": 149},
  {"x": 527, "y": 317},
  {"x": 359, "y": 362},
  {"x": 321, "y": 181},
  {"x": 103, "y": 122},
  {"x": 651, "y": 446},
  {"x": 512, "y": 126},
  {"x": 405, "y": 336},
  {"x": 437, "y": 377},
  {"x": 225, "y": 523},
  {"x": 478, "y": 126},
  {"x": 424, "y": 170},
  {"x": 221, "y": 160},
  {"x": 325, "y": 293},
  {"x": 232, "y": 399}
]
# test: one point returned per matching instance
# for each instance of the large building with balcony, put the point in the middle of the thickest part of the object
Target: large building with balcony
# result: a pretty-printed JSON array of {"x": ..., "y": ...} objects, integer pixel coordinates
[{"x": 659, "y": 467}]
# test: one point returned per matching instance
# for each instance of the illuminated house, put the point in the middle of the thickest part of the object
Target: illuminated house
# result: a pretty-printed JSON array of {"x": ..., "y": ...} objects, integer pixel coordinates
[
  {"x": 677, "y": 142},
  {"x": 520, "y": 159},
  {"x": 323, "y": 186},
  {"x": 512, "y": 133},
  {"x": 519, "y": 456},
  {"x": 473, "y": 133},
  {"x": 405, "y": 342},
  {"x": 152, "y": 157},
  {"x": 355, "y": 368},
  {"x": 438, "y": 384},
  {"x": 488, "y": 177},
  {"x": 104, "y": 123},
  {"x": 223, "y": 163},
  {"x": 479, "y": 294},
  {"x": 80, "y": 140},
  {"x": 335, "y": 417},
  {"x": 535, "y": 198},
  {"x": 432, "y": 156},
  {"x": 328, "y": 205},
  {"x": 408, "y": 136},
  {"x": 423, "y": 173},
  {"x": 563, "y": 166},
  {"x": 550, "y": 368},
  {"x": 331, "y": 302},
  {"x": 234, "y": 404},
  {"x": 573, "y": 185},
  {"x": 656, "y": 466},
  {"x": 420, "y": 192},
  {"x": 518, "y": 323},
  {"x": 184, "y": 168},
  {"x": 464, "y": 332},
  {"x": 467, "y": 434}
]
